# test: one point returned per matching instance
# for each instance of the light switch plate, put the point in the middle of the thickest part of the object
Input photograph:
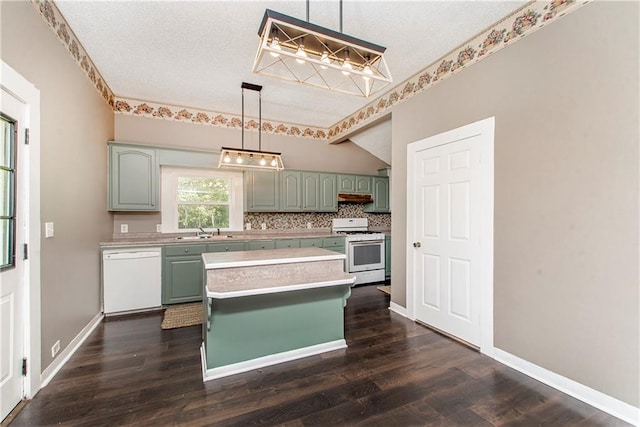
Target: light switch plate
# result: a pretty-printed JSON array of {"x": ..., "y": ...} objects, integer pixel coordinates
[
  {"x": 159, "y": 228},
  {"x": 48, "y": 230},
  {"x": 124, "y": 228},
  {"x": 263, "y": 226}
]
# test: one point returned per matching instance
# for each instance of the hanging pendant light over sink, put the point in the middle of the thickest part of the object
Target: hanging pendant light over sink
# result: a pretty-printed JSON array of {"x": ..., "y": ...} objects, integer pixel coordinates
[{"x": 251, "y": 159}]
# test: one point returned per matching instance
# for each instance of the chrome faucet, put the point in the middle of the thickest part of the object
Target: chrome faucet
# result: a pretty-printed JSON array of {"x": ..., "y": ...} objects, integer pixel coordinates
[{"x": 202, "y": 232}]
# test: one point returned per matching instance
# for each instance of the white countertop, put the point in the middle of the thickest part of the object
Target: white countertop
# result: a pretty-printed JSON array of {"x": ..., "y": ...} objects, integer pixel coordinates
[
  {"x": 282, "y": 270},
  {"x": 268, "y": 257}
]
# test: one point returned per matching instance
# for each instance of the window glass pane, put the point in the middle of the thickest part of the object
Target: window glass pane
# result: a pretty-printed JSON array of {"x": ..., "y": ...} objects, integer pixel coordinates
[
  {"x": 6, "y": 246},
  {"x": 205, "y": 216},
  {"x": 5, "y": 193},
  {"x": 6, "y": 159},
  {"x": 191, "y": 189}
]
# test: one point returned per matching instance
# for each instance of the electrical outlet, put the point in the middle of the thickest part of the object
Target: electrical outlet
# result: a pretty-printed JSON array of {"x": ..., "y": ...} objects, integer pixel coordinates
[
  {"x": 55, "y": 348},
  {"x": 48, "y": 230},
  {"x": 124, "y": 228},
  {"x": 159, "y": 228},
  {"x": 309, "y": 225},
  {"x": 263, "y": 225},
  {"x": 247, "y": 226}
]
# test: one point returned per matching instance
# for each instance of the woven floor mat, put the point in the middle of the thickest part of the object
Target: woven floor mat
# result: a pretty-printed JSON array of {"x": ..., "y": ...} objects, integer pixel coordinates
[{"x": 179, "y": 316}]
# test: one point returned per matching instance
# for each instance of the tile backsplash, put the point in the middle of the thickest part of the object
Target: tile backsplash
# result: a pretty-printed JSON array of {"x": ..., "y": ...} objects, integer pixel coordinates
[
  {"x": 317, "y": 220},
  {"x": 145, "y": 222}
]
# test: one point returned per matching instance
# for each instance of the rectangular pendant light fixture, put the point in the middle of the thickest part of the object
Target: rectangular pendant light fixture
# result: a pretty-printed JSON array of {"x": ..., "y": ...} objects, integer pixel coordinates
[
  {"x": 242, "y": 158},
  {"x": 296, "y": 50}
]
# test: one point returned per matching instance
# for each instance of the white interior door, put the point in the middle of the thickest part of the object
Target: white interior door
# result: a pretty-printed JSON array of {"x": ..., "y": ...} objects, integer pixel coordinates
[
  {"x": 12, "y": 278},
  {"x": 448, "y": 202}
]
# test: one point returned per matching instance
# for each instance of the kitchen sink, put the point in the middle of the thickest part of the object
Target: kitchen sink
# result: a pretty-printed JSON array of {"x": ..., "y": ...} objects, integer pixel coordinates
[{"x": 205, "y": 237}]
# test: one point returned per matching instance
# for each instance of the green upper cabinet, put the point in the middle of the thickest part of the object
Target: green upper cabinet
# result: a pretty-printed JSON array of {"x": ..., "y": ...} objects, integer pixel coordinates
[
  {"x": 328, "y": 192},
  {"x": 346, "y": 183},
  {"x": 311, "y": 191},
  {"x": 363, "y": 184},
  {"x": 356, "y": 184},
  {"x": 262, "y": 191},
  {"x": 133, "y": 180},
  {"x": 291, "y": 191},
  {"x": 380, "y": 195},
  {"x": 299, "y": 191}
]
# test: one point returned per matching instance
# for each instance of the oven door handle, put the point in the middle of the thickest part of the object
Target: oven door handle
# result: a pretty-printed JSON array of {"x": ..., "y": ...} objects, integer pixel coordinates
[{"x": 367, "y": 242}]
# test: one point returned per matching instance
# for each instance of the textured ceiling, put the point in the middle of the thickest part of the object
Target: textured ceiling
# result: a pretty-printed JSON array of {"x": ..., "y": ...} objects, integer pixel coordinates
[{"x": 196, "y": 54}]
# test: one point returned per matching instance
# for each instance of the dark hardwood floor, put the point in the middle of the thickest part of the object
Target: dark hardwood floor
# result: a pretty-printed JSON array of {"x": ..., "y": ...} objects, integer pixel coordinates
[{"x": 394, "y": 373}]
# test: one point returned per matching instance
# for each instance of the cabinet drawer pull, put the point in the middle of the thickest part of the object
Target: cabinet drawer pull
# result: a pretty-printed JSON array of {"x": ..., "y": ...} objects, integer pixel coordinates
[
  {"x": 186, "y": 250},
  {"x": 226, "y": 248}
]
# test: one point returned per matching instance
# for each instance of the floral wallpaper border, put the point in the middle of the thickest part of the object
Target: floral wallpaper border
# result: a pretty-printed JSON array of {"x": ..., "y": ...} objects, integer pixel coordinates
[
  {"x": 185, "y": 114},
  {"x": 52, "y": 16},
  {"x": 524, "y": 21}
]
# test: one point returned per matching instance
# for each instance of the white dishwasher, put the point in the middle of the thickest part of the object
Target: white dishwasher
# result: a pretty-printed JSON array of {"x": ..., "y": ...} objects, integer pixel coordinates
[{"x": 132, "y": 279}]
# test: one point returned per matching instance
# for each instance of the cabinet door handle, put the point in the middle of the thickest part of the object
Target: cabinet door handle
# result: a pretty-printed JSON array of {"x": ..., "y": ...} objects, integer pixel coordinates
[
  {"x": 416, "y": 244},
  {"x": 186, "y": 250}
]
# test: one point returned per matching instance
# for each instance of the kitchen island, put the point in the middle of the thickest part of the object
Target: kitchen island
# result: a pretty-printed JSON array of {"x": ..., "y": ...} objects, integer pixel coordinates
[{"x": 271, "y": 306}]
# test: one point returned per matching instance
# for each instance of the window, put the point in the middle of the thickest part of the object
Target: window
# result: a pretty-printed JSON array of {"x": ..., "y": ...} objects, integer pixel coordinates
[
  {"x": 7, "y": 193},
  {"x": 201, "y": 198}
]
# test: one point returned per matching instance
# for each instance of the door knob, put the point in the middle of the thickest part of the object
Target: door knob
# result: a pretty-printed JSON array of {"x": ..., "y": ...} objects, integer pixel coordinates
[{"x": 416, "y": 244}]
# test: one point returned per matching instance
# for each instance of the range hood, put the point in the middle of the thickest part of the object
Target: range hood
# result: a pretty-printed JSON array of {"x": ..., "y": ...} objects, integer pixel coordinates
[{"x": 355, "y": 198}]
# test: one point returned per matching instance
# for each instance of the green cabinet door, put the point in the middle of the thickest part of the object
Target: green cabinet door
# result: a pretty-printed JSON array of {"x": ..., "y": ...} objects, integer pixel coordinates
[
  {"x": 291, "y": 191},
  {"x": 380, "y": 195},
  {"x": 310, "y": 191},
  {"x": 133, "y": 178},
  {"x": 346, "y": 183},
  {"x": 328, "y": 192},
  {"x": 363, "y": 184},
  {"x": 262, "y": 191},
  {"x": 182, "y": 274}
]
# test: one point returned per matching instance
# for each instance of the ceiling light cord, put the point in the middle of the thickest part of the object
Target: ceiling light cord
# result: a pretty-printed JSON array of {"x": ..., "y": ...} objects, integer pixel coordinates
[{"x": 340, "y": 16}]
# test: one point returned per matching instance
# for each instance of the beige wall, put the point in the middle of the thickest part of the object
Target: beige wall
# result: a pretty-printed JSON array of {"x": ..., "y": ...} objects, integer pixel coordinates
[
  {"x": 297, "y": 153},
  {"x": 566, "y": 279},
  {"x": 75, "y": 125}
]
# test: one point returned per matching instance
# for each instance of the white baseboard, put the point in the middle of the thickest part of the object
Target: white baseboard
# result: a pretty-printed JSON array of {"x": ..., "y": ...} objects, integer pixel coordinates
[
  {"x": 597, "y": 399},
  {"x": 399, "y": 310},
  {"x": 57, "y": 364},
  {"x": 261, "y": 362}
]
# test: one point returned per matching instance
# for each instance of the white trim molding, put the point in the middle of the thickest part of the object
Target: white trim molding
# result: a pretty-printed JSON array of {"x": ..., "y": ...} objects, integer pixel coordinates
[
  {"x": 595, "y": 398},
  {"x": 261, "y": 362},
  {"x": 398, "y": 309},
  {"x": 65, "y": 355}
]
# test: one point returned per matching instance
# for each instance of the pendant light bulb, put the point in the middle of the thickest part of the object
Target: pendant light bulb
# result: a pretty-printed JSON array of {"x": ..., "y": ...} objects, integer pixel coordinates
[
  {"x": 275, "y": 43},
  {"x": 274, "y": 163},
  {"x": 325, "y": 58},
  {"x": 301, "y": 53},
  {"x": 227, "y": 158},
  {"x": 346, "y": 65},
  {"x": 239, "y": 159},
  {"x": 262, "y": 161}
]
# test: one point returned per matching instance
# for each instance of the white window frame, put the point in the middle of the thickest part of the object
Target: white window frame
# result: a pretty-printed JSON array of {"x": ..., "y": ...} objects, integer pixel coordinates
[{"x": 169, "y": 199}]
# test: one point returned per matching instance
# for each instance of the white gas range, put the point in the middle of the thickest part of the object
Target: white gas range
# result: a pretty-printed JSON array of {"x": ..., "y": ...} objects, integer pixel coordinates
[{"x": 364, "y": 249}]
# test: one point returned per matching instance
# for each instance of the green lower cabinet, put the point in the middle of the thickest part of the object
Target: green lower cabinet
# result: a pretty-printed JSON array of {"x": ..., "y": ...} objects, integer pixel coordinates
[
  {"x": 261, "y": 244},
  {"x": 311, "y": 243},
  {"x": 182, "y": 274},
  {"x": 182, "y": 270},
  {"x": 287, "y": 243},
  {"x": 246, "y": 328}
]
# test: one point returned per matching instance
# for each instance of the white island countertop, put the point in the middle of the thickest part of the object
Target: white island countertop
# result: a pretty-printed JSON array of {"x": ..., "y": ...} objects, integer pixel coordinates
[
  {"x": 268, "y": 257},
  {"x": 272, "y": 271}
]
